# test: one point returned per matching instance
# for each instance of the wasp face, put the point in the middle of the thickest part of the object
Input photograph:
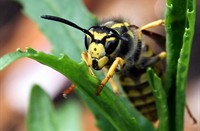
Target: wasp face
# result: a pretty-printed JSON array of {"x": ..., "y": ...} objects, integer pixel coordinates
[{"x": 101, "y": 45}]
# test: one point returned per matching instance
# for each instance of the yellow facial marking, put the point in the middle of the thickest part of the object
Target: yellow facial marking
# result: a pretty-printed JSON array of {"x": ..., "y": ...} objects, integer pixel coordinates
[
  {"x": 102, "y": 62},
  {"x": 96, "y": 50},
  {"x": 98, "y": 36}
]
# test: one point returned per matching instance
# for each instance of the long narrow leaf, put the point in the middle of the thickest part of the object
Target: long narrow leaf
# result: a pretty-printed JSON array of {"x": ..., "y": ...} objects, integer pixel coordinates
[
  {"x": 69, "y": 116},
  {"x": 115, "y": 110},
  {"x": 174, "y": 25},
  {"x": 183, "y": 65},
  {"x": 9, "y": 58},
  {"x": 178, "y": 51},
  {"x": 41, "y": 115},
  {"x": 161, "y": 100}
]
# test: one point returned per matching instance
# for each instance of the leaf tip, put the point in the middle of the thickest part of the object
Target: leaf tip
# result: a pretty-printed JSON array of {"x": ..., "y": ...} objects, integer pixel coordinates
[
  {"x": 18, "y": 50},
  {"x": 35, "y": 88},
  {"x": 62, "y": 56}
]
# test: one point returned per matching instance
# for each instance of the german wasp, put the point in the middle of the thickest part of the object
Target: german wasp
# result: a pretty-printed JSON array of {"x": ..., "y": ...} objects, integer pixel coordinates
[{"x": 119, "y": 46}]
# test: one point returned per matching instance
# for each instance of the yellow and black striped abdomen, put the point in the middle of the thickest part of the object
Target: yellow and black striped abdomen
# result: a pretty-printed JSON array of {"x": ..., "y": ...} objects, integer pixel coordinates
[{"x": 135, "y": 84}]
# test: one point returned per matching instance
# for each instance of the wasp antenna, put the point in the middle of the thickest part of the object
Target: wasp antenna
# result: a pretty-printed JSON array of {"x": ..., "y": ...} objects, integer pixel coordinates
[{"x": 67, "y": 22}]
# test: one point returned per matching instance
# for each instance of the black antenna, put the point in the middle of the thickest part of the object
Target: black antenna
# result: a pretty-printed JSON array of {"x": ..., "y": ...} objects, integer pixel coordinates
[
  {"x": 67, "y": 22},
  {"x": 58, "y": 19}
]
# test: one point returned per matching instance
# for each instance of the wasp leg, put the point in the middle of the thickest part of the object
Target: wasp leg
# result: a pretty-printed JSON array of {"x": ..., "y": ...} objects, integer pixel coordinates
[
  {"x": 85, "y": 58},
  {"x": 190, "y": 114},
  {"x": 112, "y": 83},
  {"x": 152, "y": 60},
  {"x": 68, "y": 90},
  {"x": 114, "y": 86},
  {"x": 150, "y": 25},
  {"x": 118, "y": 62}
]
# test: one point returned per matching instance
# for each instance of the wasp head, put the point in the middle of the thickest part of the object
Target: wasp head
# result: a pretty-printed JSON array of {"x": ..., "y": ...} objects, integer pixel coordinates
[
  {"x": 100, "y": 41},
  {"x": 100, "y": 44}
]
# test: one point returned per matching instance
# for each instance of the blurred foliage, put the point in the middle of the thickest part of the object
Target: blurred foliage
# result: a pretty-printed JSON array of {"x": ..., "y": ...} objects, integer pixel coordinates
[{"x": 43, "y": 117}]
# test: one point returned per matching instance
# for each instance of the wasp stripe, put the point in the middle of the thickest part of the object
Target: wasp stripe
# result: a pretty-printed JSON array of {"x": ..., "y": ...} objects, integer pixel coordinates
[
  {"x": 141, "y": 96},
  {"x": 148, "y": 110}
]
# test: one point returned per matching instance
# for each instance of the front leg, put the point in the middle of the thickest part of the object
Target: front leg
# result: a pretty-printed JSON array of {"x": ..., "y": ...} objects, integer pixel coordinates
[
  {"x": 119, "y": 62},
  {"x": 86, "y": 59},
  {"x": 112, "y": 83}
]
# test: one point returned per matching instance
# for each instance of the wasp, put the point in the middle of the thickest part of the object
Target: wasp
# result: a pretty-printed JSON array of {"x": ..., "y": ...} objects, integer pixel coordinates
[{"x": 119, "y": 47}]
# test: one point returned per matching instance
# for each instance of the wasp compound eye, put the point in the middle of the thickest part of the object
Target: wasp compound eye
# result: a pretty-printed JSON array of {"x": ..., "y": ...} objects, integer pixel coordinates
[
  {"x": 88, "y": 41},
  {"x": 111, "y": 46}
]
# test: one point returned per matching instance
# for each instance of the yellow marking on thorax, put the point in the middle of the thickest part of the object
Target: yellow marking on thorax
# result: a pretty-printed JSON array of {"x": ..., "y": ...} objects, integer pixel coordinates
[
  {"x": 131, "y": 33},
  {"x": 110, "y": 39},
  {"x": 126, "y": 24},
  {"x": 118, "y": 25}
]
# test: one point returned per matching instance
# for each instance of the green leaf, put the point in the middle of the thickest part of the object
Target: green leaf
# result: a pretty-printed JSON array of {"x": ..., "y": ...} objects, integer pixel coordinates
[
  {"x": 174, "y": 25},
  {"x": 41, "y": 115},
  {"x": 180, "y": 22},
  {"x": 120, "y": 115},
  {"x": 69, "y": 115},
  {"x": 116, "y": 111},
  {"x": 183, "y": 65},
  {"x": 160, "y": 98},
  {"x": 9, "y": 58}
]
